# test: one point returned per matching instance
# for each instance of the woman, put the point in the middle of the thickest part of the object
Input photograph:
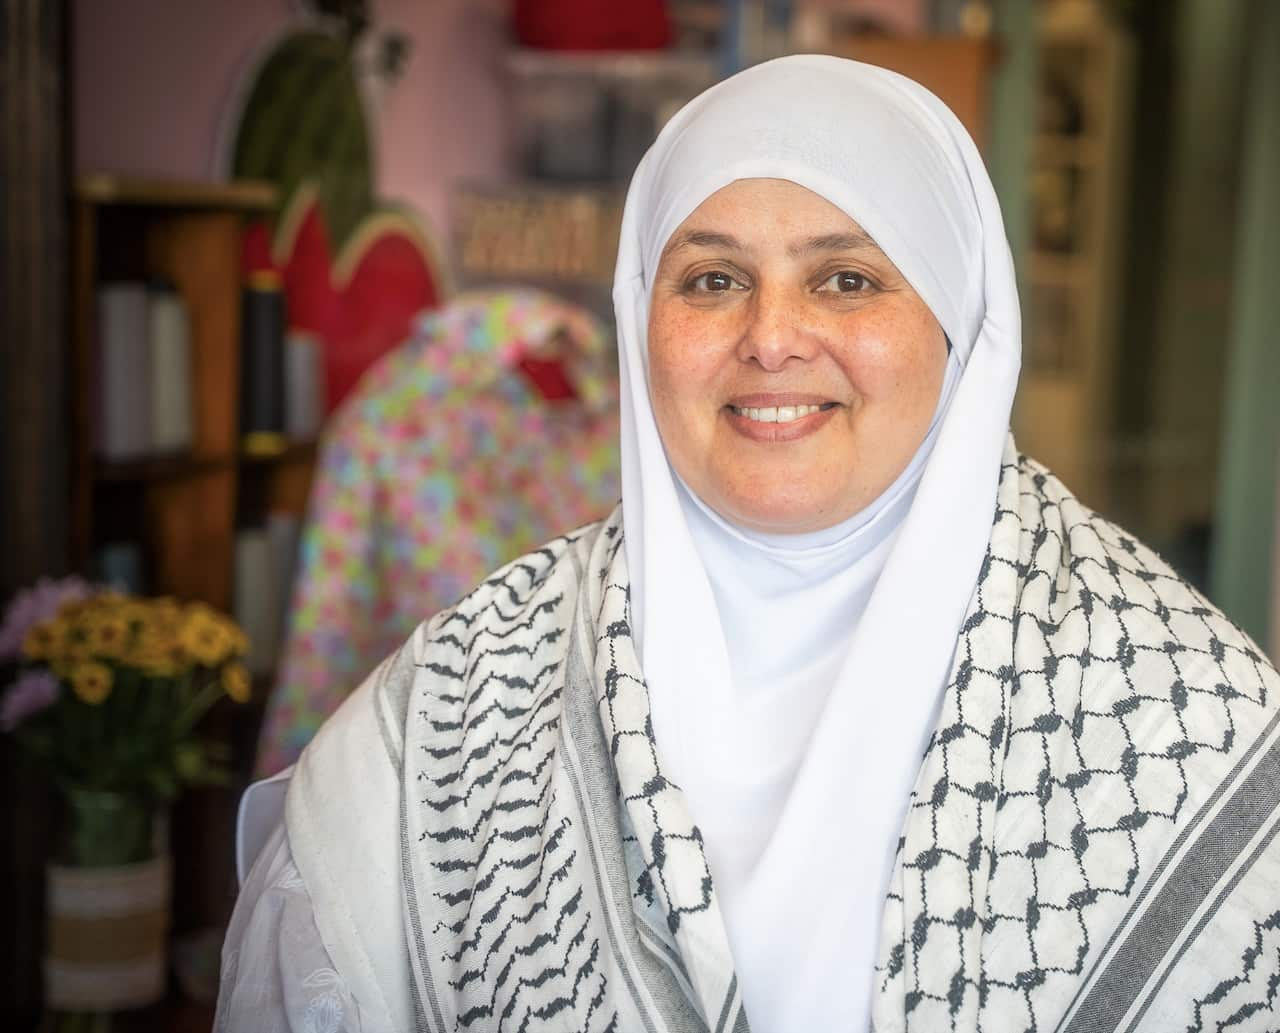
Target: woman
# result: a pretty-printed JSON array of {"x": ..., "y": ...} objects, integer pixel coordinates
[{"x": 849, "y": 716}]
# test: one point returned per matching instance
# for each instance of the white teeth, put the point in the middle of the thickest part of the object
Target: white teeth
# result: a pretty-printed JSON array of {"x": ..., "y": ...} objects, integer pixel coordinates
[{"x": 777, "y": 414}]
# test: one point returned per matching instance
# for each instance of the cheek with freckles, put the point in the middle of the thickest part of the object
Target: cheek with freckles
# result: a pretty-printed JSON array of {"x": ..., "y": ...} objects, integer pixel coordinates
[
  {"x": 686, "y": 344},
  {"x": 893, "y": 359},
  {"x": 684, "y": 364}
]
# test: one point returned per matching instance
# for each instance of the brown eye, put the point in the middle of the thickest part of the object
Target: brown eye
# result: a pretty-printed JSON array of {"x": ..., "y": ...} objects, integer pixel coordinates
[
  {"x": 846, "y": 282},
  {"x": 715, "y": 283}
]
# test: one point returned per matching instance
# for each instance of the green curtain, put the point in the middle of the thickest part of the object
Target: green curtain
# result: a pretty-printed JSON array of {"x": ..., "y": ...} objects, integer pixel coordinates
[{"x": 1245, "y": 528}]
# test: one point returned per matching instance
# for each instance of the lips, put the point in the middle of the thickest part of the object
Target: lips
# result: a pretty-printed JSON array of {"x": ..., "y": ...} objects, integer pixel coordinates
[
  {"x": 781, "y": 407},
  {"x": 775, "y": 418},
  {"x": 779, "y": 413}
]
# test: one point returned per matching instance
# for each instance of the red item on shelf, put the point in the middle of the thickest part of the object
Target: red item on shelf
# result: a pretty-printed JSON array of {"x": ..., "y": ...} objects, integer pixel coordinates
[{"x": 592, "y": 24}]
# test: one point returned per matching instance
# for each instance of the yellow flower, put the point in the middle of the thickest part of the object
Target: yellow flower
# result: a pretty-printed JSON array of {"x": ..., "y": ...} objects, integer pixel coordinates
[
  {"x": 156, "y": 657},
  {"x": 107, "y": 635},
  {"x": 134, "y": 612},
  {"x": 109, "y": 605},
  {"x": 43, "y": 640},
  {"x": 163, "y": 615},
  {"x": 73, "y": 608},
  {"x": 91, "y": 682},
  {"x": 111, "y": 602},
  {"x": 205, "y": 636},
  {"x": 75, "y": 644},
  {"x": 235, "y": 679}
]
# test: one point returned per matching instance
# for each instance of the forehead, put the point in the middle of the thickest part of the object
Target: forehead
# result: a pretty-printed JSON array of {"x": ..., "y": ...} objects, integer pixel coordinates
[{"x": 758, "y": 212}]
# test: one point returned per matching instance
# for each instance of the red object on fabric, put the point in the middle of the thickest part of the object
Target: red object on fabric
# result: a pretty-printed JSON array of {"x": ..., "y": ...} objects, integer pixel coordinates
[
  {"x": 549, "y": 377},
  {"x": 592, "y": 24}
]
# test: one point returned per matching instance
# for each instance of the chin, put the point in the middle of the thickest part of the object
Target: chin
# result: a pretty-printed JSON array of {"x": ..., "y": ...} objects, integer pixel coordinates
[{"x": 784, "y": 515}]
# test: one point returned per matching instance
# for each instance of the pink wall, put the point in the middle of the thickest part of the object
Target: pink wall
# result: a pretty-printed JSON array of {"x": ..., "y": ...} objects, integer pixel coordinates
[{"x": 157, "y": 84}]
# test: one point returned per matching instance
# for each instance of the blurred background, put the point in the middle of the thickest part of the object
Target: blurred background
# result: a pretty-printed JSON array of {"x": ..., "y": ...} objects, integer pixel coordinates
[{"x": 305, "y": 316}]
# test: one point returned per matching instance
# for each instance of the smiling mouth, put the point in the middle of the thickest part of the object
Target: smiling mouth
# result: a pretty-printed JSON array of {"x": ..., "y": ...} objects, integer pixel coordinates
[{"x": 779, "y": 413}]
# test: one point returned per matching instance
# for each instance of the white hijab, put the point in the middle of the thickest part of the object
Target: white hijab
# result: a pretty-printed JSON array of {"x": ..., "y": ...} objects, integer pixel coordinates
[{"x": 795, "y": 680}]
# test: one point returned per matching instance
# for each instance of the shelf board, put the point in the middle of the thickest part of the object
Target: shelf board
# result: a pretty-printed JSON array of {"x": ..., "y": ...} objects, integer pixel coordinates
[
  {"x": 176, "y": 467},
  {"x": 248, "y": 195},
  {"x": 158, "y": 468},
  {"x": 293, "y": 451}
]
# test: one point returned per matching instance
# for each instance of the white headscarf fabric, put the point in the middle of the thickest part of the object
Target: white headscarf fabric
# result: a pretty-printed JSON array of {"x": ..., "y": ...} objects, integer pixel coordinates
[{"x": 794, "y": 681}]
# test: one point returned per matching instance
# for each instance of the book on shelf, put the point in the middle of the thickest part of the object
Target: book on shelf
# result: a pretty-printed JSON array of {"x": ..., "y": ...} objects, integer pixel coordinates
[
  {"x": 303, "y": 385},
  {"x": 265, "y": 561},
  {"x": 169, "y": 360},
  {"x": 262, "y": 364},
  {"x": 119, "y": 565},
  {"x": 143, "y": 371},
  {"x": 123, "y": 372}
]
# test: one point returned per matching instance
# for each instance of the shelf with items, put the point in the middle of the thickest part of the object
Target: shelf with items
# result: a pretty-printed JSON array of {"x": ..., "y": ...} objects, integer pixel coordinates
[
  {"x": 1064, "y": 412},
  {"x": 172, "y": 516},
  {"x": 190, "y": 234},
  {"x": 589, "y": 117},
  {"x": 559, "y": 237},
  {"x": 179, "y": 507},
  {"x": 581, "y": 122},
  {"x": 536, "y": 232}
]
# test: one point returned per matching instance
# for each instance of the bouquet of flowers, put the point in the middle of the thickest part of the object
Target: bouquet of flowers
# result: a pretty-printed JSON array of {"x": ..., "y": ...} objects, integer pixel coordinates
[{"x": 106, "y": 689}]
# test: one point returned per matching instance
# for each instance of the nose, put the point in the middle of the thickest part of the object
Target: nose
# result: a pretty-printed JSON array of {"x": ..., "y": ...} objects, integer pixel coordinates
[{"x": 774, "y": 334}]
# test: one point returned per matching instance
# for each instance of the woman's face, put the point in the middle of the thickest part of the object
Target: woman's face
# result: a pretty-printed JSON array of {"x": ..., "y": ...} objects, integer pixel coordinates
[{"x": 793, "y": 371}]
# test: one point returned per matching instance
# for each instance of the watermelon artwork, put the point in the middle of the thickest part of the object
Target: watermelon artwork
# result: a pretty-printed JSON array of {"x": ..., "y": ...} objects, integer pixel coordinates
[{"x": 355, "y": 274}]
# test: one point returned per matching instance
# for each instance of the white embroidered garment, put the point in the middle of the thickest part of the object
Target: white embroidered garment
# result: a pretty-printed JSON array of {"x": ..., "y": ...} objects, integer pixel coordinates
[
  {"x": 837, "y": 711},
  {"x": 276, "y": 975},
  {"x": 1090, "y": 846}
]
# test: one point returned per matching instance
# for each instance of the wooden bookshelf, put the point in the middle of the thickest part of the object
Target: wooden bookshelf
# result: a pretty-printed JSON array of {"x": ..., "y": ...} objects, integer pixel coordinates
[{"x": 182, "y": 509}]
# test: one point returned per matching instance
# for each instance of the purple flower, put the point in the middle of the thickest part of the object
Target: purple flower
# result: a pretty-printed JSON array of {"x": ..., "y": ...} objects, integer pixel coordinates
[
  {"x": 36, "y": 604},
  {"x": 31, "y": 693}
]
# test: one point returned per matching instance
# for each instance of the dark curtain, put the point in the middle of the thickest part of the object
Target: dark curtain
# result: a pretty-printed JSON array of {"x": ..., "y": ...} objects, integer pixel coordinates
[{"x": 33, "y": 424}]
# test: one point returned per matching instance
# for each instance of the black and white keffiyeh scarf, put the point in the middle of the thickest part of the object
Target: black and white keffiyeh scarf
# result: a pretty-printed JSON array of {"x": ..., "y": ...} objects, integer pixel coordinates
[{"x": 1090, "y": 844}]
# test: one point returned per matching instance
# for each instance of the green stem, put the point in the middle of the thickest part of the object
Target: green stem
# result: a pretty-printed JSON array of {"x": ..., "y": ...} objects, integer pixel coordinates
[{"x": 206, "y": 697}]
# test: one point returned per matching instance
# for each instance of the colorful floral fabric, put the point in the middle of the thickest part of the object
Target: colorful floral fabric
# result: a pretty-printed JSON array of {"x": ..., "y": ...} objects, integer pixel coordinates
[{"x": 446, "y": 462}]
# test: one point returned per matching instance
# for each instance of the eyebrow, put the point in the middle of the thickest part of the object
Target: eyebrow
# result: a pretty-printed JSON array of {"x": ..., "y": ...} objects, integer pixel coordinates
[
  {"x": 834, "y": 242},
  {"x": 826, "y": 242},
  {"x": 702, "y": 238}
]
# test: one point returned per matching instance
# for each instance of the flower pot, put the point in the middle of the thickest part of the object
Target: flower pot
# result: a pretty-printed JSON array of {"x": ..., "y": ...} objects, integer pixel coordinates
[{"x": 108, "y": 906}]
